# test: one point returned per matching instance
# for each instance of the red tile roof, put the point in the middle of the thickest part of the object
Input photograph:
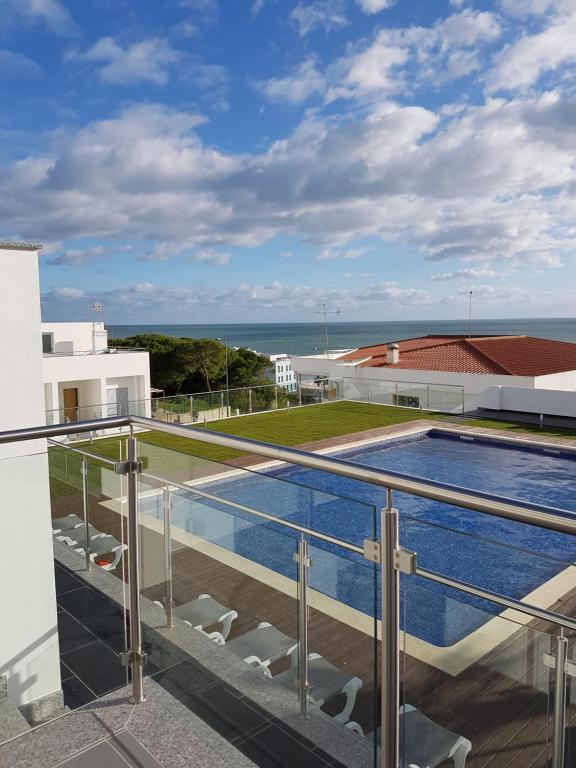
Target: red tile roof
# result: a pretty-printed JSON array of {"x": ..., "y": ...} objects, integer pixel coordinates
[{"x": 503, "y": 355}]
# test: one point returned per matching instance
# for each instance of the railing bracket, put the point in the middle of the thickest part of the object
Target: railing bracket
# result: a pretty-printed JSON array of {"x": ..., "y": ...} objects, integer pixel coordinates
[
  {"x": 307, "y": 562},
  {"x": 126, "y": 467},
  {"x": 373, "y": 550},
  {"x": 133, "y": 657},
  {"x": 405, "y": 560},
  {"x": 569, "y": 666}
]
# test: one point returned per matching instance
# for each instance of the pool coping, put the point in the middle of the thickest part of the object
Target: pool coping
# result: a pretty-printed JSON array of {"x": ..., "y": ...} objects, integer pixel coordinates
[{"x": 452, "y": 659}]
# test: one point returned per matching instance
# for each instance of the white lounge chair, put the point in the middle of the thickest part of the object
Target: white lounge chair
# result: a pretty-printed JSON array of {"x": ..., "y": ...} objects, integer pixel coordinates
[
  {"x": 204, "y": 611},
  {"x": 325, "y": 682},
  {"x": 77, "y": 536},
  {"x": 101, "y": 546},
  {"x": 60, "y": 524},
  {"x": 424, "y": 743},
  {"x": 262, "y": 646}
]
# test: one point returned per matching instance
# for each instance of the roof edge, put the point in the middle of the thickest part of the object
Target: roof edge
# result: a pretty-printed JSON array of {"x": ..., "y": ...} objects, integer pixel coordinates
[{"x": 20, "y": 246}]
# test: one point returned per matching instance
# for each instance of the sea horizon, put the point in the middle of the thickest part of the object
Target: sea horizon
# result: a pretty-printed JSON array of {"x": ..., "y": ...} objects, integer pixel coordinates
[{"x": 309, "y": 337}]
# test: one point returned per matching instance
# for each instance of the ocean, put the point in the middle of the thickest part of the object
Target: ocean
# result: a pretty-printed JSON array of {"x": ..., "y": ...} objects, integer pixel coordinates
[{"x": 307, "y": 338}]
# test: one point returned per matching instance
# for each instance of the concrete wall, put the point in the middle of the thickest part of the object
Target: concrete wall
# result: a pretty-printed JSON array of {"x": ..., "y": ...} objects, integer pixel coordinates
[
  {"x": 77, "y": 337},
  {"x": 28, "y": 636},
  {"x": 565, "y": 381},
  {"x": 547, "y": 401}
]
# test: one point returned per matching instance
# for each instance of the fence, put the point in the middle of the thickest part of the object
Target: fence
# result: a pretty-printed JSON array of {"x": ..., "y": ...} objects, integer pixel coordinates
[{"x": 203, "y": 407}]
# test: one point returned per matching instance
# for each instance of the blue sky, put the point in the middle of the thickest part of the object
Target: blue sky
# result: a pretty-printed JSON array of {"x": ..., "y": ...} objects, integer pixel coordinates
[{"x": 245, "y": 160}]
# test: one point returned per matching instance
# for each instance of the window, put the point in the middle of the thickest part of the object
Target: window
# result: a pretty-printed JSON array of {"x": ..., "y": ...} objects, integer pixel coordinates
[{"x": 47, "y": 343}]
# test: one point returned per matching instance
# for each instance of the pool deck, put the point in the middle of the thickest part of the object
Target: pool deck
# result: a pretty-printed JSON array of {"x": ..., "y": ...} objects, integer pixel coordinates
[{"x": 501, "y": 703}]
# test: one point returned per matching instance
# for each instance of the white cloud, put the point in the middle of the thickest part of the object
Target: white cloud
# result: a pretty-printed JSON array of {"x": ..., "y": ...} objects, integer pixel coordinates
[
  {"x": 329, "y": 254},
  {"x": 163, "y": 251},
  {"x": 304, "y": 82},
  {"x": 76, "y": 257},
  {"x": 537, "y": 7},
  {"x": 520, "y": 64},
  {"x": 321, "y": 14},
  {"x": 449, "y": 49},
  {"x": 144, "y": 61},
  {"x": 351, "y": 275},
  {"x": 472, "y": 273},
  {"x": 12, "y": 63},
  {"x": 494, "y": 183},
  {"x": 374, "y": 6},
  {"x": 50, "y": 13}
]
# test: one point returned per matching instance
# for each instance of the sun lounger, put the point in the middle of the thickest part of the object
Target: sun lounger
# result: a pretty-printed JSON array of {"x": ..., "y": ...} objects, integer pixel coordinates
[
  {"x": 325, "y": 682},
  {"x": 60, "y": 524},
  {"x": 262, "y": 646},
  {"x": 102, "y": 546},
  {"x": 204, "y": 611},
  {"x": 77, "y": 536},
  {"x": 424, "y": 743}
]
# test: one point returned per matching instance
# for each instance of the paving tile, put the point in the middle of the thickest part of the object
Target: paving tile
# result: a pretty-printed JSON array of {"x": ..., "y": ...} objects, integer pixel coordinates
[
  {"x": 75, "y": 693},
  {"x": 71, "y": 633},
  {"x": 160, "y": 653},
  {"x": 96, "y": 757},
  {"x": 186, "y": 679},
  {"x": 228, "y": 715},
  {"x": 274, "y": 748},
  {"x": 97, "y": 666},
  {"x": 87, "y": 606},
  {"x": 110, "y": 629},
  {"x": 132, "y": 751},
  {"x": 65, "y": 672},
  {"x": 65, "y": 582}
]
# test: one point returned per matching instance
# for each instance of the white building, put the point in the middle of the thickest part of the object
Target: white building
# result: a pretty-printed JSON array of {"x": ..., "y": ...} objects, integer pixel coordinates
[
  {"x": 486, "y": 369},
  {"x": 284, "y": 376},
  {"x": 29, "y": 656},
  {"x": 84, "y": 378}
]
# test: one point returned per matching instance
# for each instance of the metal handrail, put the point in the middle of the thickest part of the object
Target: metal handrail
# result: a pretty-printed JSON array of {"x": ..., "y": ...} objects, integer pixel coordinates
[
  {"x": 337, "y": 466},
  {"x": 85, "y": 454},
  {"x": 343, "y": 468},
  {"x": 256, "y": 512}
]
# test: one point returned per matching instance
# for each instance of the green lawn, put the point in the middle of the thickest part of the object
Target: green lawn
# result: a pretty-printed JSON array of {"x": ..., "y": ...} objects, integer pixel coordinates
[
  {"x": 285, "y": 427},
  {"x": 514, "y": 426}
]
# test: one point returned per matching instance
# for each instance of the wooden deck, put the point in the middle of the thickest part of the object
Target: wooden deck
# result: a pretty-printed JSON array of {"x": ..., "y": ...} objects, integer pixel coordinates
[{"x": 502, "y": 703}]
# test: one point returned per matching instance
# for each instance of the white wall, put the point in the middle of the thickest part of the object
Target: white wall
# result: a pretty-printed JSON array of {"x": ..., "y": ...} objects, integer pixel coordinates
[
  {"x": 28, "y": 639},
  {"x": 77, "y": 337},
  {"x": 92, "y": 373},
  {"x": 546, "y": 401},
  {"x": 565, "y": 380},
  {"x": 473, "y": 383}
]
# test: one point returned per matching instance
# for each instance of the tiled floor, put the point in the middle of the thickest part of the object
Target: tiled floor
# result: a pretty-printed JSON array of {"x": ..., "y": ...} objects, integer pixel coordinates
[
  {"x": 92, "y": 637},
  {"x": 120, "y": 751}
]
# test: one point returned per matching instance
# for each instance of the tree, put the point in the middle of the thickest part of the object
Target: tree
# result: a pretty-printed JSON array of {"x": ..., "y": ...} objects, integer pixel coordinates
[
  {"x": 246, "y": 368},
  {"x": 167, "y": 371},
  {"x": 206, "y": 355}
]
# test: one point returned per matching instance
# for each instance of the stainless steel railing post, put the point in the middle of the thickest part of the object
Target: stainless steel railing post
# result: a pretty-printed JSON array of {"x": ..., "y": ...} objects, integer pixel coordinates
[
  {"x": 135, "y": 653},
  {"x": 84, "y": 470},
  {"x": 390, "y": 628},
  {"x": 301, "y": 558},
  {"x": 168, "y": 594},
  {"x": 558, "y": 745}
]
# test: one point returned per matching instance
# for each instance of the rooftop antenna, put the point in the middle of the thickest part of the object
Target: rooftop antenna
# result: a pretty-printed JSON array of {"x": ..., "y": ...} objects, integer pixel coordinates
[
  {"x": 470, "y": 313},
  {"x": 97, "y": 307}
]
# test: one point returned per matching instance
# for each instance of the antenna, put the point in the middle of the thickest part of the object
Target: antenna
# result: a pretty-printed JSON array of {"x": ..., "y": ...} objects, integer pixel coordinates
[
  {"x": 470, "y": 313},
  {"x": 325, "y": 312},
  {"x": 97, "y": 307}
]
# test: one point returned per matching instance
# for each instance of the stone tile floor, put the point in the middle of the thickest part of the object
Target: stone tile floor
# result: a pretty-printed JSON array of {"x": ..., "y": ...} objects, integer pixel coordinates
[{"x": 92, "y": 636}]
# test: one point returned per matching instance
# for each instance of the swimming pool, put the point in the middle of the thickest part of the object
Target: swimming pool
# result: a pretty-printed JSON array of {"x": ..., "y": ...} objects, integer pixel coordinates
[{"x": 498, "y": 555}]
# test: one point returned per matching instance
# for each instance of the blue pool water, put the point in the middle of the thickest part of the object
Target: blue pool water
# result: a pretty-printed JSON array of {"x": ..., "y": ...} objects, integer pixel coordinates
[{"x": 499, "y": 555}]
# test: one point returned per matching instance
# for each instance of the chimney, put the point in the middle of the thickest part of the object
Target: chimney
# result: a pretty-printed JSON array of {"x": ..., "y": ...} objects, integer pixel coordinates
[{"x": 393, "y": 354}]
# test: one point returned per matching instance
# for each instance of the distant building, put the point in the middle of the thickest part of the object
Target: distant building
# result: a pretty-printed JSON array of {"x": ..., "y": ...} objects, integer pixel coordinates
[
  {"x": 284, "y": 376},
  {"x": 485, "y": 368},
  {"x": 85, "y": 379}
]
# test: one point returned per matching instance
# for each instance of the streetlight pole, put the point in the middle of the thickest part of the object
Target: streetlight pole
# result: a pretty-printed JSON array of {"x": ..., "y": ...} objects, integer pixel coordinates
[{"x": 227, "y": 380}]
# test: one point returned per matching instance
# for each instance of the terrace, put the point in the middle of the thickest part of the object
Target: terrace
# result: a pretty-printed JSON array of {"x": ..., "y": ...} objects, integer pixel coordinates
[{"x": 191, "y": 528}]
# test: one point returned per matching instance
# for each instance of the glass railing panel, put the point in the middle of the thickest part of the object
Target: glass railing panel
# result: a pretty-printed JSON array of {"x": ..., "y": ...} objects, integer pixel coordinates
[
  {"x": 445, "y": 399},
  {"x": 513, "y": 559},
  {"x": 484, "y": 696},
  {"x": 234, "y": 583},
  {"x": 343, "y": 645},
  {"x": 55, "y": 657}
]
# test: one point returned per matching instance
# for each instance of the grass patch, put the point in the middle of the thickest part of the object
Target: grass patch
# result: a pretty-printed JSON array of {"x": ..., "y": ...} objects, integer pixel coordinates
[
  {"x": 515, "y": 426},
  {"x": 285, "y": 427}
]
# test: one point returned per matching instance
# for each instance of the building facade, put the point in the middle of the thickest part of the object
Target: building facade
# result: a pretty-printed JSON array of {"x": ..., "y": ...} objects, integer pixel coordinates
[
  {"x": 284, "y": 376},
  {"x": 84, "y": 378}
]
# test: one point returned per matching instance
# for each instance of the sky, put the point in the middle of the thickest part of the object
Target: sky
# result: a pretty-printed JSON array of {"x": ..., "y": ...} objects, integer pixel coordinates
[{"x": 222, "y": 161}]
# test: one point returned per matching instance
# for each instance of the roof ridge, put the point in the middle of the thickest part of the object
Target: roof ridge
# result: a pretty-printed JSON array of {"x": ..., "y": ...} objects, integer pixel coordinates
[{"x": 489, "y": 357}]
